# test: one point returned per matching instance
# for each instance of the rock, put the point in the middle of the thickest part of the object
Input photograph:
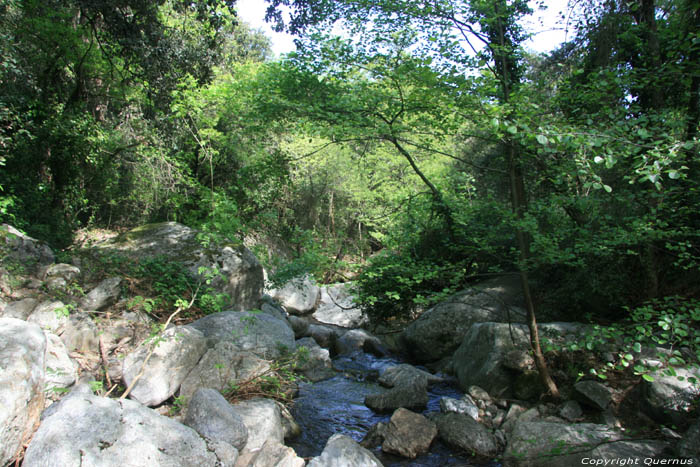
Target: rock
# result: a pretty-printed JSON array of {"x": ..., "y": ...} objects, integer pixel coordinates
[
  {"x": 298, "y": 296},
  {"x": 413, "y": 396},
  {"x": 80, "y": 334},
  {"x": 438, "y": 332},
  {"x": 571, "y": 411},
  {"x": 528, "y": 386},
  {"x": 224, "y": 452},
  {"x": 300, "y": 326},
  {"x": 221, "y": 367},
  {"x": 354, "y": 340},
  {"x": 593, "y": 394},
  {"x": 317, "y": 364},
  {"x": 338, "y": 307},
  {"x": 343, "y": 451},
  {"x": 449, "y": 405},
  {"x": 56, "y": 284},
  {"x": 51, "y": 316},
  {"x": 555, "y": 444},
  {"x": 24, "y": 249},
  {"x": 263, "y": 420},
  {"x": 405, "y": 374},
  {"x": 90, "y": 430},
  {"x": 260, "y": 333},
  {"x": 66, "y": 271},
  {"x": 178, "y": 350},
  {"x": 518, "y": 360},
  {"x": 668, "y": 399},
  {"x": 274, "y": 454},
  {"x": 408, "y": 434},
  {"x": 22, "y": 359},
  {"x": 273, "y": 309},
  {"x": 103, "y": 295},
  {"x": 478, "y": 393},
  {"x": 512, "y": 415},
  {"x": 478, "y": 360},
  {"x": 463, "y": 432},
  {"x": 374, "y": 437},
  {"x": 242, "y": 273},
  {"x": 323, "y": 335},
  {"x": 214, "y": 419},
  {"x": 61, "y": 371},
  {"x": 689, "y": 446},
  {"x": 20, "y": 309}
]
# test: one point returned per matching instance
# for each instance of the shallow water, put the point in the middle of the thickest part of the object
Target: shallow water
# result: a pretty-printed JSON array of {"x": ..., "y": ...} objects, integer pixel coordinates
[{"x": 336, "y": 405}]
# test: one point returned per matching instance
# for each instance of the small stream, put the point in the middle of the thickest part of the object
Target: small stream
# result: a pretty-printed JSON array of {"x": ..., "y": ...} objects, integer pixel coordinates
[{"x": 336, "y": 405}]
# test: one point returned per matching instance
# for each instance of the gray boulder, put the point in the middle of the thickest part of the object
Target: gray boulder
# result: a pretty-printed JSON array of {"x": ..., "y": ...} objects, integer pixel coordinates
[
  {"x": 405, "y": 374},
  {"x": 689, "y": 445},
  {"x": 535, "y": 444},
  {"x": 221, "y": 367},
  {"x": 263, "y": 420},
  {"x": 343, "y": 451},
  {"x": 51, "y": 316},
  {"x": 23, "y": 248},
  {"x": 463, "y": 432},
  {"x": 61, "y": 371},
  {"x": 355, "y": 340},
  {"x": 324, "y": 335},
  {"x": 88, "y": 430},
  {"x": 413, "y": 395},
  {"x": 408, "y": 434},
  {"x": 177, "y": 351},
  {"x": 337, "y": 307},
  {"x": 463, "y": 406},
  {"x": 67, "y": 272},
  {"x": 81, "y": 334},
  {"x": 298, "y": 296},
  {"x": 22, "y": 354},
  {"x": 21, "y": 309},
  {"x": 106, "y": 293},
  {"x": 669, "y": 399},
  {"x": 479, "y": 359},
  {"x": 274, "y": 454},
  {"x": 213, "y": 417},
  {"x": 438, "y": 332},
  {"x": 300, "y": 326},
  {"x": 593, "y": 394},
  {"x": 242, "y": 274},
  {"x": 317, "y": 364},
  {"x": 260, "y": 333}
]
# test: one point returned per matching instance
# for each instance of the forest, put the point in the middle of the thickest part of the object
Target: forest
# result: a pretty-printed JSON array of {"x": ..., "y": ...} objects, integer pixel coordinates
[{"x": 420, "y": 151}]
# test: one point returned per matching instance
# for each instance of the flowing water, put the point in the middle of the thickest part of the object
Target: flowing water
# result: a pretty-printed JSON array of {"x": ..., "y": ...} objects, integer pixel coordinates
[{"x": 336, "y": 405}]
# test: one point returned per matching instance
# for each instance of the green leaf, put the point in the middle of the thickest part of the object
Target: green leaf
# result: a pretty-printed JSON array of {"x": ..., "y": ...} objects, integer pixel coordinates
[
  {"x": 674, "y": 174},
  {"x": 598, "y": 160},
  {"x": 542, "y": 139},
  {"x": 512, "y": 129},
  {"x": 637, "y": 347},
  {"x": 648, "y": 378}
]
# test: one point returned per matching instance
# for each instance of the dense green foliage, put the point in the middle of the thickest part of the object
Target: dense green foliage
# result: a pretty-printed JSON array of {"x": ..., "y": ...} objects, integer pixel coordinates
[{"x": 409, "y": 135}]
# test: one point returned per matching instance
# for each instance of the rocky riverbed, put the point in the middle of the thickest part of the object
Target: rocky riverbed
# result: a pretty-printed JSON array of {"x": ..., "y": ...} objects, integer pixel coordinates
[{"x": 89, "y": 378}]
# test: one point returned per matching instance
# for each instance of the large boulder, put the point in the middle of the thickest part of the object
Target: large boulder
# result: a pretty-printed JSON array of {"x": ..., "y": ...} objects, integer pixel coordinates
[
  {"x": 89, "y": 430},
  {"x": 408, "y": 434},
  {"x": 221, "y": 367},
  {"x": 22, "y": 354},
  {"x": 260, "y": 333},
  {"x": 438, "y": 332},
  {"x": 51, "y": 316},
  {"x": 463, "y": 432},
  {"x": 103, "y": 295},
  {"x": 479, "y": 359},
  {"x": 61, "y": 371},
  {"x": 242, "y": 273},
  {"x": 263, "y": 419},
  {"x": 343, "y": 451},
  {"x": 669, "y": 399},
  {"x": 213, "y": 417},
  {"x": 547, "y": 444},
  {"x": 175, "y": 353},
  {"x": 337, "y": 306},
  {"x": 413, "y": 395},
  {"x": 21, "y": 309},
  {"x": 24, "y": 249},
  {"x": 274, "y": 454},
  {"x": 298, "y": 296},
  {"x": 316, "y": 362}
]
